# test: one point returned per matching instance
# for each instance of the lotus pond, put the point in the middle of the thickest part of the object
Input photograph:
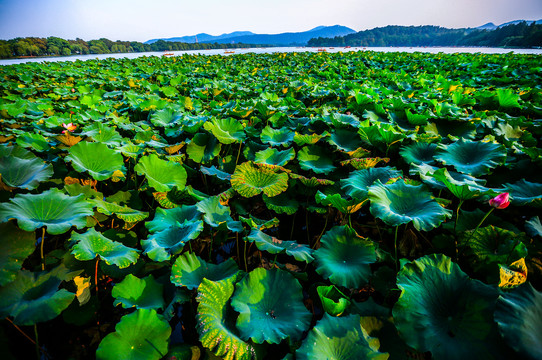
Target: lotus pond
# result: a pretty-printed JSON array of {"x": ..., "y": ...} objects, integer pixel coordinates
[{"x": 353, "y": 205}]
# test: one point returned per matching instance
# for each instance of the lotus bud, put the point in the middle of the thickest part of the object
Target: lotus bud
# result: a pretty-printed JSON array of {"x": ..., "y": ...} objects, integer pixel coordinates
[
  {"x": 500, "y": 201},
  {"x": 69, "y": 128}
]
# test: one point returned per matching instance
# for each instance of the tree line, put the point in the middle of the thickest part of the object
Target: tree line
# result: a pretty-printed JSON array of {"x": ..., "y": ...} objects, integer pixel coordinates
[
  {"x": 515, "y": 35},
  {"x": 55, "y": 46}
]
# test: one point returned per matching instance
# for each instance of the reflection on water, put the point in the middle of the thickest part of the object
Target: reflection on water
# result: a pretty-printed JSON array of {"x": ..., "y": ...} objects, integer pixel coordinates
[{"x": 433, "y": 50}]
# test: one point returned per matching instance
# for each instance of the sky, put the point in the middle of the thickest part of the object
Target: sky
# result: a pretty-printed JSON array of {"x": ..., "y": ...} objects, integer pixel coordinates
[{"x": 141, "y": 20}]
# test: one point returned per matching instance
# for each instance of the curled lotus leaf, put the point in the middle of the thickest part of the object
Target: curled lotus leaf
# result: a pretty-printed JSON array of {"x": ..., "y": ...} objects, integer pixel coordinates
[
  {"x": 525, "y": 192},
  {"x": 216, "y": 214},
  {"x": 472, "y": 157},
  {"x": 276, "y": 157},
  {"x": 340, "y": 338},
  {"x": 15, "y": 246},
  {"x": 166, "y": 118},
  {"x": 162, "y": 245},
  {"x": 203, "y": 148},
  {"x": 165, "y": 218},
  {"x": 455, "y": 179},
  {"x": 344, "y": 257},
  {"x": 23, "y": 172},
  {"x": 96, "y": 159},
  {"x": 142, "y": 334},
  {"x": 34, "y": 297},
  {"x": 125, "y": 213},
  {"x": 400, "y": 203},
  {"x": 226, "y": 130},
  {"x": 333, "y": 301},
  {"x": 344, "y": 140},
  {"x": 534, "y": 226},
  {"x": 518, "y": 314},
  {"x": 274, "y": 137},
  {"x": 143, "y": 293},
  {"x": 419, "y": 153},
  {"x": 102, "y": 133},
  {"x": 364, "y": 163},
  {"x": 282, "y": 203},
  {"x": 312, "y": 181},
  {"x": 189, "y": 270},
  {"x": 213, "y": 171},
  {"x": 249, "y": 180},
  {"x": 52, "y": 208},
  {"x": 335, "y": 199},
  {"x": 358, "y": 182},
  {"x": 161, "y": 174},
  {"x": 463, "y": 190},
  {"x": 91, "y": 244},
  {"x": 443, "y": 311},
  {"x": 273, "y": 245},
  {"x": 270, "y": 303},
  {"x": 216, "y": 332},
  {"x": 315, "y": 158}
]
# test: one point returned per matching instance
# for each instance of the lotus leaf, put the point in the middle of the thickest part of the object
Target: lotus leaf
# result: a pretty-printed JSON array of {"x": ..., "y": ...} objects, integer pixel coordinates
[
  {"x": 34, "y": 297},
  {"x": 216, "y": 332},
  {"x": 308, "y": 139},
  {"x": 161, "y": 174},
  {"x": 96, "y": 159},
  {"x": 399, "y": 203},
  {"x": 345, "y": 140},
  {"x": 364, "y": 163},
  {"x": 143, "y": 293},
  {"x": 311, "y": 182},
  {"x": 249, "y": 180},
  {"x": 333, "y": 301},
  {"x": 273, "y": 245},
  {"x": 226, "y": 130},
  {"x": 125, "y": 213},
  {"x": 92, "y": 244},
  {"x": 525, "y": 192},
  {"x": 534, "y": 227},
  {"x": 102, "y": 133},
  {"x": 518, "y": 314},
  {"x": 463, "y": 190},
  {"x": 170, "y": 241},
  {"x": 24, "y": 173},
  {"x": 276, "y": 157},
  {"x": 336, "y": 200},
  {"x": 341, "y": 120},
  {"x": 35, "y": 141},
  {"x": 340, "y": 338},
  {"x": 53, "y": 209},
  {"x": 276, "y": 137},
  {"x": 443, "y": 311},
  {"x": 472, "y": 157},
  {"x": 142, "y": 334},
  {"x": 507, "y": 98},
  {"x": 213, "y": 171},
  {"x": 270, "y": 303},
  {"x": 165, "y": 218},
  {"x": 513, "y": 275},
  {"x": 315, "y": 158},
  {"x": 15, "y": 246},
  {"x": 166, "y": 118},
  {"x": 189, "y": 270},
  {"x": 203, "y": 148},
  {"x": 282, "y": 203},
  {"x": 419, "y": 153},
  {"x": 358, "y": 182},
  {"x": 344, "y": 257},
  {"x": 216, "y": 214}
]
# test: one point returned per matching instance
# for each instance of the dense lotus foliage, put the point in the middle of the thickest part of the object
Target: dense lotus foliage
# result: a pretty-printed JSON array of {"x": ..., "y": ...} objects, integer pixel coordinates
[{"x": 274, "y": 206}]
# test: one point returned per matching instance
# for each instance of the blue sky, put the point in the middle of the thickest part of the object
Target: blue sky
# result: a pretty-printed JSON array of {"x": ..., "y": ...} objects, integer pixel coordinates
[{"x": 143, "y": 20}]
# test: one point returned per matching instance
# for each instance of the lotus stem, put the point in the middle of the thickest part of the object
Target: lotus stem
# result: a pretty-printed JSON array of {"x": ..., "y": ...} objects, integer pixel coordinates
[
  {"x": 476, "y": 229},
  {"x": 238, "y": 152},
  {"x": 37, "y": 343},
  {"x": 96, "y": 274},
  {"x": 41, "y": 248},
  {"x": 323, "y": 230},
  {"x": 28, "y": 337},
  {"x": 245, "y": 256},
  {"x": 455, "y": 227},
  {"x": 395, "y": 246}
]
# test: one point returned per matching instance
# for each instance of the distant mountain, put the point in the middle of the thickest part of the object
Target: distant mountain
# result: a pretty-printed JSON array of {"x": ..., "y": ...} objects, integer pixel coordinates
[
  {"x": 247, "y": 37},
  {"x": 492, "y": 26}
]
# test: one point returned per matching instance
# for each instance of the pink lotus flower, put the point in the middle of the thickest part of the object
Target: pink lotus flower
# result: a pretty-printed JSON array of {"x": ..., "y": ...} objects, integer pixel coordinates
[
  {"x": 500, "y": 201},
  {"x": 69, "y": 128}
]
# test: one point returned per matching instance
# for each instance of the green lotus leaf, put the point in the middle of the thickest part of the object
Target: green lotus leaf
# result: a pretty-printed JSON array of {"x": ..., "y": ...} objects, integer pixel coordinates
[
  {"x": 166, "y": 118},
  {"x": 143, "y": 293},
  {"x": 213, "y": 171},
  {"x": 125, "y": 213},
  {"x": 525, "y": 192},
  {"x": 472, "y": 157},
  {"x": 335, "y": 199},
  {"x": 170, "y": 241},
  {"x": 381, "y": 134},
  {"x": 102, "y": 133},
  {"x": 203, "y": 148},
  {"x": 534, "y": 227},
  {"x": 24, "y": 173},
  {"x": 274, "y": 137},
  {"x": 419, "y": 153},
  {"x": 312, "y": 181},
  {"x": 358, "y": 182},
  {"x": 249, "y": 180},
  {"x": 276, "y": 157},
  {"x": 400, "y": 203},
  {"x": 15, "y": 151},
  {"x": 15, "y": 246},
  {"x": 282, "y": 203},
  {"x": 273, "y": 245},
  {"x": 345, "y": 140},
  {"x": 443, "y": 311},
  {"x": 34, "y": 141},
  {"x": 339, "y": 338},
  {"x": 161, "y": 174},
  {"x": 131, "y": 150},
  {"x": 96, "y": 159},
  {"x": 518, "y": 314},
  {"x": 315, "y": 158},
  {"x": 165, "y": 218},
  {"x": 87, "y": 191},
  {"x": 344, "y": 257},
  {"x": 416, "y": 119},
  {"x": 364, "y": 163},
  {"x": 216, "y": 214},
  {"x": 260, "y": 224},
  {"x": 508, "y": 99},
  {"x": 426, "y": 171},
  {"x": 270, "y": 303},
  {"x": 333, "y": 301},
  {"x": 216, "y": 331},
  {"x": 226, "y": 130},
  {"x": 52, "y": 208},
  {"x": 142, "y": 334},
  {"x": 308, "y": 139},
  {"x": 189, "y": 270},
  {"x": 34, "y": 297},
  {"x": 91, "y": 244},
  {"x": 342, "y": 120},
  {"x": 492, "y": 245},
  {"x": 463, "y": 190}
]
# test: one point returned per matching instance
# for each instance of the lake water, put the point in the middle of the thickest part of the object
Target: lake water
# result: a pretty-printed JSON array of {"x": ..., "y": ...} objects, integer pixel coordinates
[{"x": 433, "y": 50}]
